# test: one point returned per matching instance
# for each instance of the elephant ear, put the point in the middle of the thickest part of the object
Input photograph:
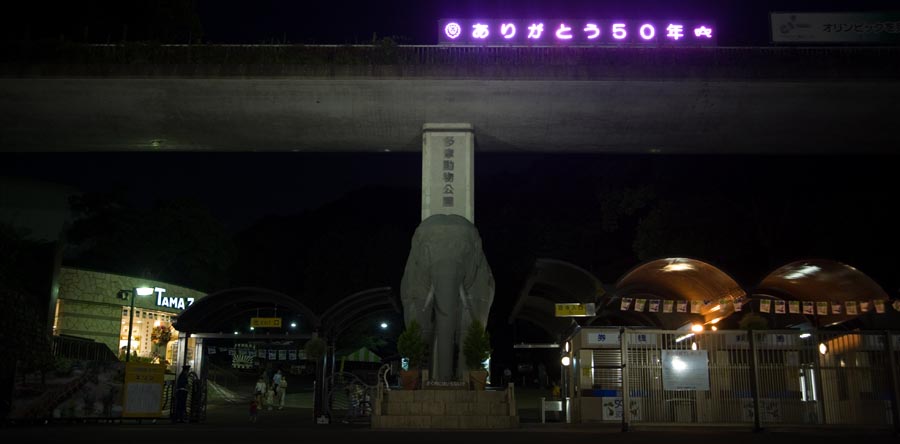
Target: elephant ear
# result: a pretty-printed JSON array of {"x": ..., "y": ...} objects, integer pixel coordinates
[
  {"x": 415, "y": 286},
  {"x": 480, "y": 288}
]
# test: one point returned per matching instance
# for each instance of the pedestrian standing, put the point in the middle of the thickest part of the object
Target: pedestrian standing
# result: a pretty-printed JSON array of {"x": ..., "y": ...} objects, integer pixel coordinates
[
  {"x": 259, "y": 391},
  {"x": 181, "y": 394},
  {"x": 282, "y": 391},
  {"x": 276, "y": 382},
  {"x": 270, "y": 397}
]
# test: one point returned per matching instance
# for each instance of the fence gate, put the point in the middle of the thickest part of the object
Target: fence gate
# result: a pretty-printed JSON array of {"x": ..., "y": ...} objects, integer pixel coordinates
[{"x": 774, "y": 378}]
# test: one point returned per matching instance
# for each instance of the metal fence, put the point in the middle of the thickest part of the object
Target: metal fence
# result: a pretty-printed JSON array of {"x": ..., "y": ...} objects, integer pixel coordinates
[
  {"x": 78, "y": 348},
  {"x": 772, "y": 378}
]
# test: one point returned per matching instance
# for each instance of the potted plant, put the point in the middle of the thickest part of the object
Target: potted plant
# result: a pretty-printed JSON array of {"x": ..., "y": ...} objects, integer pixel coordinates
[
  {"x": 161, "y": 335},
  {"x": 476, "y": 350},
  {"x": 411, "y": 346}
]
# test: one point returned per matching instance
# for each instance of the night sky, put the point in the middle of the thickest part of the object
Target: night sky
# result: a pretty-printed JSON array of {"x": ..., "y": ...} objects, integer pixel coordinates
[{"x": 356, "y": 22}]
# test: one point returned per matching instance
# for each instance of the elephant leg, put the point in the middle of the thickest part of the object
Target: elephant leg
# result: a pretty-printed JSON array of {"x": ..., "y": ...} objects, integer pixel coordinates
[{"x": 446, "y": 322}]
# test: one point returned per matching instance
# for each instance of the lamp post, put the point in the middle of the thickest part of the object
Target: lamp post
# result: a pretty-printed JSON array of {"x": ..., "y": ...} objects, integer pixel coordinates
[{"x": 137, "y": 291}]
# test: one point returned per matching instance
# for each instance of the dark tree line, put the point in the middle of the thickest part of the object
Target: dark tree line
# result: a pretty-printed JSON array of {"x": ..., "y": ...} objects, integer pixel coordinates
[
  {"x": 746, "y": 215},
  {"x": 104, "y": 21},
  {"x": 177, "y": 241},
  {"x": 25, "y": 274}
]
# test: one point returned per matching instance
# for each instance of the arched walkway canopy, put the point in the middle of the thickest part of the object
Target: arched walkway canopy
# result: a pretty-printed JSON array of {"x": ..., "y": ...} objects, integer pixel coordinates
[
  {"x": 552, "y": 282},
  {"x": 219, "y": 310},
  {"x": 351, "y": 309},
  {"x": 819, "y": 280},
  {"x": 680, "y": 279}
]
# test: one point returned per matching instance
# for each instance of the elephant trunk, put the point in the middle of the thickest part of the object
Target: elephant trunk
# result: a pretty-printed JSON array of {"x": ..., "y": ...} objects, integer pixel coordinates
[{"x": 446, "y": 280}]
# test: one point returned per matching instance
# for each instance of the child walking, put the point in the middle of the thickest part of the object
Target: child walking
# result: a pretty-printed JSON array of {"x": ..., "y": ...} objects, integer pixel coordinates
[
  {"x": 270, "y": 397},
  {"x": 254, "y": 410}
]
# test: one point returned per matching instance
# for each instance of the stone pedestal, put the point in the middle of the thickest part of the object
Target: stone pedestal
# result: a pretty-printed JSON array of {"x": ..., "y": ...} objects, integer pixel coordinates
[{"x": 446, "y": 409}]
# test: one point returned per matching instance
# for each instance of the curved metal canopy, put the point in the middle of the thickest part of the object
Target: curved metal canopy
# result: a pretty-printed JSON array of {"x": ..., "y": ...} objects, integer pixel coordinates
[
  {"x": 209, "y": 314},
  {"x": 553, "y": 282},
  {"x": 357, "y": 306},
  {"x": 680, "y": 279},
  {"x": 820, "y": 280},
  {"x": 540, "y": 312}
]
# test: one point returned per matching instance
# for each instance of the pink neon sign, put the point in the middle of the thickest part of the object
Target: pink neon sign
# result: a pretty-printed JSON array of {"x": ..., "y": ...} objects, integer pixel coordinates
[
  {"x": 675, "y": 31},
  {"x": 480, "y": 31},
  {"x": 575, "y": 32},
  {"x": 508, "y": 30},
  {"x": 535, "y": 30},
  {"x": 452, "y": 30}
]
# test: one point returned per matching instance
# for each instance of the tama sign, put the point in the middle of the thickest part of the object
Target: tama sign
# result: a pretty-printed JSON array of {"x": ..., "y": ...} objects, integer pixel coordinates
[
  {"x": 577, "y": 32},
  {"x": 171, "y": 301}
]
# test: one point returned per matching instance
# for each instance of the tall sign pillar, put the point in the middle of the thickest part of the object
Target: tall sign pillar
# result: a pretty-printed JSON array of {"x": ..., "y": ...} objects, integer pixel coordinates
[{"x": 448, "y": 174}]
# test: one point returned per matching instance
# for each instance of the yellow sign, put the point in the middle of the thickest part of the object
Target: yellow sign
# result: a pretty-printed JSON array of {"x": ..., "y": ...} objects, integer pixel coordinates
[
  {"x": 143, "y": 390},
  {"x": 574, "y": 310},
  {"x": 265, "y": 322}
]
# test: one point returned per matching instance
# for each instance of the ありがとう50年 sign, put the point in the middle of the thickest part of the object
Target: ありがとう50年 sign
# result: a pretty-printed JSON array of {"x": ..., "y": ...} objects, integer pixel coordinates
[{"x": 577, "y": 32}]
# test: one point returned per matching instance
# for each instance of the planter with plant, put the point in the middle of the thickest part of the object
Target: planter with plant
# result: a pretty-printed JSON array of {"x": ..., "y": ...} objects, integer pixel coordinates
[
  {"x": 411, "y": 346},
  {"x": 161, "y": 335},
  {"x": 476, "y": 350}
]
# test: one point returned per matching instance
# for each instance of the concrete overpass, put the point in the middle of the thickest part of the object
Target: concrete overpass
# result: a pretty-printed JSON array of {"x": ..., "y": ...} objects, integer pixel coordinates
[{"x": 376, "y": 98}]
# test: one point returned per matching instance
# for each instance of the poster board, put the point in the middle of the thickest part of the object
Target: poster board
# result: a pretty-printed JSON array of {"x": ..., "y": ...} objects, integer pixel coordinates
[
  {"x": 685, "y": 369},
  {"x": 143, "y": 390}
]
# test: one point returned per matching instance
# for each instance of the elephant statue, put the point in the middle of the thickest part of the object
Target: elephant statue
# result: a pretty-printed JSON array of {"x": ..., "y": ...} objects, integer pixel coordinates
[{"x": 446, "y": 284}]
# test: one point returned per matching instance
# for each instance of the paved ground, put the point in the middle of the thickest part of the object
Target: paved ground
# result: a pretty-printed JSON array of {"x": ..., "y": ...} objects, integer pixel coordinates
[
  {"x": 228, "y": 421},
  {"x": 297, "y": 426}
]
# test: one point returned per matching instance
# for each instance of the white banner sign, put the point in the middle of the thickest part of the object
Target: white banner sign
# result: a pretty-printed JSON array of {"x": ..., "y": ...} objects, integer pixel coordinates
[
  {"x": 801, "y": 27},
  {"x": 685, "y": 369}
]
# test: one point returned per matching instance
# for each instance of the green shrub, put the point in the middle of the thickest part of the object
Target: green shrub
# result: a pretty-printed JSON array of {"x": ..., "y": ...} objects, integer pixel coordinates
[
  {"x": 476, "y": 345},
  {"x": 410, "y": 344}
]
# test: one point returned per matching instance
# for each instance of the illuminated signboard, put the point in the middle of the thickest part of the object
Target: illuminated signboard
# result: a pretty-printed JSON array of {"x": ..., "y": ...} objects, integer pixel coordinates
[
  {"x": 171, "y": 301},
  {"x": 265, "y": 322},
  {"x": 575, "y": 310},
  {"x": 577, "y": 32}
]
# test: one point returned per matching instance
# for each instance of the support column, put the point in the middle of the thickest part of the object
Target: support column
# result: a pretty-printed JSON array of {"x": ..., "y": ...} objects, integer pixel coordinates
[
  {"x": 181, "y": 358},
  {"x": 893, "y": 383},
  {"x": 626, "y": 390},
  {"x": 448, "y": 174},
  {"x": 754, "y": 380}
]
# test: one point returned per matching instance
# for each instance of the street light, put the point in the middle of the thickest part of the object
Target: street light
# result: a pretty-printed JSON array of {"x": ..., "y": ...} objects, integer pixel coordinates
[{"x": 137, "y": 291}]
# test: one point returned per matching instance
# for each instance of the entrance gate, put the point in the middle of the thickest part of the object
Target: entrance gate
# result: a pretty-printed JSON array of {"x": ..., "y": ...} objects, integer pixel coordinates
[{"x": 763, "y": 379}]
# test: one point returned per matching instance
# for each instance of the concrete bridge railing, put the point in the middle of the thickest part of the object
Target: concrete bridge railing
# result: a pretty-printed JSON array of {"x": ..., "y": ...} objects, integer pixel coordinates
[{"x": 395, "y": 61}]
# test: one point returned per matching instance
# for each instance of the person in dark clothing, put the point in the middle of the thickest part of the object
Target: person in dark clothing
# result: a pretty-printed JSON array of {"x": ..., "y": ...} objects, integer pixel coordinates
[{"x": 181, "y": 395}]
